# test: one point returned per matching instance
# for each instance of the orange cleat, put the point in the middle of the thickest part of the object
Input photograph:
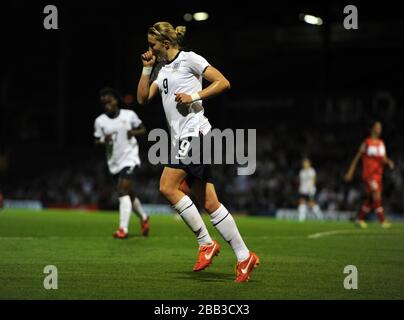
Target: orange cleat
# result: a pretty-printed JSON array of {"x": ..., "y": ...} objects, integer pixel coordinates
[
  {"x": 206, "y": 254},
  {"x": 144, "y": 225},
  {"x": 120, "y": 234},
  {"x": 245, "y": 267}
]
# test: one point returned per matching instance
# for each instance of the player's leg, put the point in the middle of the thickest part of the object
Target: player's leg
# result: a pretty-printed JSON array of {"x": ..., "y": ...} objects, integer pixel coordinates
[
  {"x": 137, "y": 205},
  {"x": 126, "y": 186},
  {"x": 316, "y": 209},
  {"x": 302, "y": 209},
  {"x": 138, "y": 208},
  {"x": 364, "y": 210},
  {"x": 225, "y": 224},
  {"x": 125, "y": 206},
  {"x": 366, "y": 205},
  {"x": 140, "y": 212},
  {"x": 378, "y": 206},
  {"x": 206, "y": 252},
  {"x": 170, "y": 182}
]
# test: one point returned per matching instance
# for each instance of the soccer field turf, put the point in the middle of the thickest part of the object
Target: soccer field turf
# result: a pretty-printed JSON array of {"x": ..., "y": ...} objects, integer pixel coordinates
[{"x": 298, "y": 260}]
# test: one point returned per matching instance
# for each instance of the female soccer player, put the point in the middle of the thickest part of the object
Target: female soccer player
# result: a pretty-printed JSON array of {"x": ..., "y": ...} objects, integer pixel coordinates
[
  {"x": 374, "y": 157},
  {"x": 179, "y": 81},
  {"x": 307, "y": 191},
  {"x": 116, "y": 128}
]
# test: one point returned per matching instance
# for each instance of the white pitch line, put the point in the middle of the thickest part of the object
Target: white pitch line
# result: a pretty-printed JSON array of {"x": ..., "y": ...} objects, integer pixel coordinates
[
  {"x": 328, "y": 233},
  {"x": 17, "y": 238}
]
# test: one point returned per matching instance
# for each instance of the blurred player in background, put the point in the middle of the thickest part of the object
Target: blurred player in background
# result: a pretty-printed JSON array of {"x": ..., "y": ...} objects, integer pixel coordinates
[
  {"x": 307, "y": 191},
  {"x": 179, "y": 82},
  {"x": 374, "y": 158},
  {"x": 116, "y": 128}
]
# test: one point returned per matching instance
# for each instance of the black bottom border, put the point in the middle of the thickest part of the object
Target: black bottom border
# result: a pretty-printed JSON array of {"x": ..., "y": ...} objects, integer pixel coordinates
[{"x": 203, "y": 309}]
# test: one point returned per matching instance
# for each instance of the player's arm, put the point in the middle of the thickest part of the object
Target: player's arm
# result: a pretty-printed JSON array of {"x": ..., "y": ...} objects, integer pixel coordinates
[
  {"x": 103, "y": 140},
  {"x": 146, "y": 91},
  {"x": 389, "y": 162},
  {"x": 351, "y": 170},
  {"x": 218, "y": 84},
  {"x": 99, "y": 134},
  {"x": 141, "y": 129}
]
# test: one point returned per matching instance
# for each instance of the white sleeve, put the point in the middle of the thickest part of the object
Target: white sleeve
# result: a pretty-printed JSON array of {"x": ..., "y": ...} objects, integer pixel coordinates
[
  {"x": 135, "y": 120},
  {"x": 197, "y": 63},
  {"x": 98, "y": 130}
]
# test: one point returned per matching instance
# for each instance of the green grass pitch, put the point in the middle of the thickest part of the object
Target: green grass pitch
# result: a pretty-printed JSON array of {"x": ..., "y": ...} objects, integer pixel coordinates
[{"x": 295, "y": 263}]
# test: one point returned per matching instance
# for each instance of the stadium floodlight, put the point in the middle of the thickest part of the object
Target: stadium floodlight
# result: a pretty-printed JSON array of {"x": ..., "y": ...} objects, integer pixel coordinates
[
  {"x": 310, "y": 19},
  {"x": 188, "y": 17},
  {"x": 201, "y": 16}
]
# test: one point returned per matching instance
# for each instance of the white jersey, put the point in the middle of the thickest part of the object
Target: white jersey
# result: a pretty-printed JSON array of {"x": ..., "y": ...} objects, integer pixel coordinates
[
  {"x": 183, "y": 75},
  {"x": 307, "y": 181},
  {"x": 122, "y": 152}
]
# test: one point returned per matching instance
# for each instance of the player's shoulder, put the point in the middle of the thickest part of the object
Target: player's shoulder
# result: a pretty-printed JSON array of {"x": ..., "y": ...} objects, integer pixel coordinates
[
  {"x": 188, "y": 53},
  {"x": 368, "y": 141},
  {"x": 191, "y": 55},
  {"x": 127, "y": 112},
  {"x": 102, "y": 117},
  {"x": 373, "y": 142}
]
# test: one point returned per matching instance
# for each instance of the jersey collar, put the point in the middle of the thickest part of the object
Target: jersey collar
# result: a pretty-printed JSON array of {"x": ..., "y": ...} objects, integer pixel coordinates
[
  {"x": 176, "y": 56},
  {"x": 116, "y": 115}
]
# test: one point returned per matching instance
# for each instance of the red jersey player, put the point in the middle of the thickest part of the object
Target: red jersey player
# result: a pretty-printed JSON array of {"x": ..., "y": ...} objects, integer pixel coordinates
[{"x": 374, "y": 157}]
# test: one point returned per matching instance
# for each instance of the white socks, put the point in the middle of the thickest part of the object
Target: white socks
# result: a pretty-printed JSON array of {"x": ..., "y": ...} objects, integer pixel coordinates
[
  {"x": 317, "y": 211},
  {"x": 138, "y": 209},
  {"x": 125, "y": 209},
  {"x": 223, "y": 221},
  {"x": 190, "y": 214},
  {"x": 302, "y": 212}
]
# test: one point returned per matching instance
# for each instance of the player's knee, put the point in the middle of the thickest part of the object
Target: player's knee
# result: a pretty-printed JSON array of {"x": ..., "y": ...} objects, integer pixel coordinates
[
  {"x": 211, "y": 205},
  {"x": 166, "y": 190},
  {"x": 123, "y": 192}
]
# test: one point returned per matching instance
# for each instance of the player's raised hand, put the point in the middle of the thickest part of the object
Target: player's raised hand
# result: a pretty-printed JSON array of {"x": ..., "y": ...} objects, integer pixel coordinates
[
  {"x": 148, "y": 59},
  {"x": 183, "y": 98}
]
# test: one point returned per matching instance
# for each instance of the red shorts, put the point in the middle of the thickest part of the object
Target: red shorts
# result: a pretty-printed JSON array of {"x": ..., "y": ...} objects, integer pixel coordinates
[{"x": 373, "y": 185}]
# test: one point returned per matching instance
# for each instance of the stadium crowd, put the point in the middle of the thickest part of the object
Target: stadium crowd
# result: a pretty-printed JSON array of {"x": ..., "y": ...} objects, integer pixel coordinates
[{"x": 273, "y": 185}]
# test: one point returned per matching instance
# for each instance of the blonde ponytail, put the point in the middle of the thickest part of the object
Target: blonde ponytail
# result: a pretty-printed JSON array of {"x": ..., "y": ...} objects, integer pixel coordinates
[
  {"x": 180, "y": 31},
  {"x": 165, "y": 31}
]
